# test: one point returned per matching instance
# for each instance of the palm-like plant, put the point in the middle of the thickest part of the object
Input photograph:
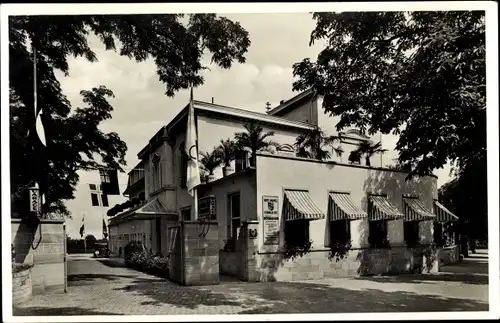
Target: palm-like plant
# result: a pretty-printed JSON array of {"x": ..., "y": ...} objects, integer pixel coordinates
[
  {"x": 367, "y": 149},
  {"x": 227, "y": 150},
  {"x": 210, "y": 161},
  {"x": 254, "y": 139},
  {"x": 315, "y": 144}
]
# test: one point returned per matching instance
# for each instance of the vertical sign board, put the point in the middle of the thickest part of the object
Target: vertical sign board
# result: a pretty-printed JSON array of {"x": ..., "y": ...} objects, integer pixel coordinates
[
  {"x": 34, "y": 200},
  {"x": 270, "y": 215}
]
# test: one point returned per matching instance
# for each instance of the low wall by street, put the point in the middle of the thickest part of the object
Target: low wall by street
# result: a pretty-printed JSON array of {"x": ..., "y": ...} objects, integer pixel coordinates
[
  {"x": 272, "y": 266},
  {"x": 41, "y": 244}
]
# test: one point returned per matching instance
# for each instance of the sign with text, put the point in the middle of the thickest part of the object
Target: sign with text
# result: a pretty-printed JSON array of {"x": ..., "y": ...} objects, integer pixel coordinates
[
  {"x": 270, "y": 215},
  {"x": 206, "y": 208},
  {"x": 34, "y": 200}
]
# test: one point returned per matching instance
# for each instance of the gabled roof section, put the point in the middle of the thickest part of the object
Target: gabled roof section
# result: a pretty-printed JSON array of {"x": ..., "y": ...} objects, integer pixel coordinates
[
  {"x": 289, "y": 103},
  {"x": 226, "y": 112},
  {"x": 231, "y": 112}
]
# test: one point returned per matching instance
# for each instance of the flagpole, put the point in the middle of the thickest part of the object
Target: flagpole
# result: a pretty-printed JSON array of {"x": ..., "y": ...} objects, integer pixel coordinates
[
  {"x": 35, "y": 101},
  {"x": 195, "y": 196}
]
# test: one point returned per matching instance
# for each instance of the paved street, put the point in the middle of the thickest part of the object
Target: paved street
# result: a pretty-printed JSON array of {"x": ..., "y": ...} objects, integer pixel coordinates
[{"x": 104, "y": 287}]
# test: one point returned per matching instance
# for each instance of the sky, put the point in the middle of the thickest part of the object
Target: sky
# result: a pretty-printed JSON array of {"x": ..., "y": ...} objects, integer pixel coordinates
[{"x": 141, "y": 107}]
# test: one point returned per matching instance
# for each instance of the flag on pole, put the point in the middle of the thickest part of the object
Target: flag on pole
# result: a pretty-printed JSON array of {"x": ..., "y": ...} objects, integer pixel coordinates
[
  {"x": 109, "y": 181},
  {"x": 82, "y": 228},
  {"x": 104, "y": 229},
  {"x": 40, "y": 157},
  {"x": 40, "y": 131},
  {"x": 193, "y": 170}
]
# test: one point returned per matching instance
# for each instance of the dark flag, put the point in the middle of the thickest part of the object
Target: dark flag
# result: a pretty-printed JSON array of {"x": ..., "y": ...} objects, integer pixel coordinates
[
  {"x": 39, "y": 156},
  {"x": 109, "y": 181},
  {"x": 104, "y": 229},
  {"x": 82, "y": 228}
]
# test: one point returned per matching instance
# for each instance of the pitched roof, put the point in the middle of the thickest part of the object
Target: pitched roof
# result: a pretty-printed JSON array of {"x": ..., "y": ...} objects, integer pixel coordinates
[{"x": 229, "y": 113}]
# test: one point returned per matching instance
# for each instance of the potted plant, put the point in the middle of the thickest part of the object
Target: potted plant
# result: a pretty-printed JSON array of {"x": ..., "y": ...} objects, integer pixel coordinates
[
  {"x": 210, "y": 161},
  {"x": 254, "y": 139},
  {"x": 227, "y": 150}
]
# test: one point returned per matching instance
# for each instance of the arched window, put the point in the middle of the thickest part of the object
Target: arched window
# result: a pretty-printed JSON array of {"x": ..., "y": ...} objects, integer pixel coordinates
[{"x": 286, "y": 148}]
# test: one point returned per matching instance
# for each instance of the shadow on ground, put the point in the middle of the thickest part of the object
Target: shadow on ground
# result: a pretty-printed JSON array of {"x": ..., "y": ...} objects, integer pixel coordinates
[
  {"x": 425, "y": 279},
  {"x": 81, "y": 278},
  {"x": 56, "y": 311},
  {"x": 289, "y": 297},
  {"x": 113, "y": 263}
]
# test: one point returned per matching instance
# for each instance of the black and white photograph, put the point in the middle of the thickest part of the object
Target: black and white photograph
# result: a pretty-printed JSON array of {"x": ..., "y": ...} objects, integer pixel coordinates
[{"x": 250, "y": 161}]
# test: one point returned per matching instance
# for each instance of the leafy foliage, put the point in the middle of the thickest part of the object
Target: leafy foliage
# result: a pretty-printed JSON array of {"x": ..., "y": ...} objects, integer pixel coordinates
[
  {"x": 419, "y": 75},
  {"x": 255, "y": 139},
  {"x": 466, "y": 196},
  {"x": 210, "y": 160},
  {"x": 16, "y": 268},
  {"x": 339, "y": 250},
  {"x": 227, "y": 151},
  {"x": 366, "y": 149},
  {"x": 297, "y": 250},
  {"x": 315, "y": 144},
  {"x": 74, "y": 141}
]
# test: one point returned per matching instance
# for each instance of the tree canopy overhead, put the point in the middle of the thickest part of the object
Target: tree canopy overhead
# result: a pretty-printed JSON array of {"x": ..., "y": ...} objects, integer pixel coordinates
[
  {"x": 73, "y": 136},
  {"x": 419, "y": 75}
]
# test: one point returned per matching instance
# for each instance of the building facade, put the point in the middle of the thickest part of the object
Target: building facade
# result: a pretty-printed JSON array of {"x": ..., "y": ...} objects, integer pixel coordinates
[{"x": 284, "y": 218}]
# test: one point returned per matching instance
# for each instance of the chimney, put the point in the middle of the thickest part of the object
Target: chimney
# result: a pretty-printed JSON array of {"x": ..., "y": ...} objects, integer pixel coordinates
[
  {"x": 282, "y": 101},
  {"x": 212, "y": 100}
]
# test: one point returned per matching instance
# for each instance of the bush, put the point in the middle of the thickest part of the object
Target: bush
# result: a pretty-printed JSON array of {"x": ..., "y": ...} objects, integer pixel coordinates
[
  {"x": 141, "y": 260},
  {"x": 20, "y": 267},
  {"x": 133, "y": 247}
]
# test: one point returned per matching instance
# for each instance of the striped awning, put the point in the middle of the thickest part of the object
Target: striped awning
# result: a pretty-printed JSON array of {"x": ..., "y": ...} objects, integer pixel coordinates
[
  {"x": 415, "y": 210},
  {"x": 382, "y": 209},
  {"x": 443, "y": 214},
  {"x": 341, "y": 207},
  {"x": 298, "y": 205}
]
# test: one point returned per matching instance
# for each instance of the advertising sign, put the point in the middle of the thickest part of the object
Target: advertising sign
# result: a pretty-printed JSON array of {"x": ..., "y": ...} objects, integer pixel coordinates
[
  {"x": 34, "y": 200},
  {"x": 270, "y": 214}
]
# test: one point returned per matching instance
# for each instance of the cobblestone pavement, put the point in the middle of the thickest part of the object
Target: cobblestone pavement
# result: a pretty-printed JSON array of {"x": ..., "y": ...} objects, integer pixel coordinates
[{"x": 104, "y": 287}]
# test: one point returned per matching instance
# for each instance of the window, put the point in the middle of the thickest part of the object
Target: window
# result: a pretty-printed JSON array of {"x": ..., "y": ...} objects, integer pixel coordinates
[
  {"x": 241, "y": 160},
  {"x": 340, "y": 232},
  {"x": 93, "y": 187},
  {"x": 296, "y": 233},
  {"x": 411, "y": 232},
  {"x": 156, "y": 173},
  {"x": 186, "y": 214},
  {"x": 95, "y": 199},
  {"x": 234, "y": 219},
  {"x": 378, "y": 234},
  {"x": 104, "y": 199}
]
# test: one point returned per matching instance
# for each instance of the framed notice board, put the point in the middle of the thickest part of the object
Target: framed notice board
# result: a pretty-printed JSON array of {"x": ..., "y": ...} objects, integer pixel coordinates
[{"x": 270, "y": 216}]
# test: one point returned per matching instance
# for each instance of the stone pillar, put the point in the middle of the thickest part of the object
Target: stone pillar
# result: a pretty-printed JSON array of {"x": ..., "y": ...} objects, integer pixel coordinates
[
  {"x": 430, "y": 261},
  {"x": 250, "y": 254},
  {"x": 41, "y": 244},
  {"x": 200, "y": 253}
]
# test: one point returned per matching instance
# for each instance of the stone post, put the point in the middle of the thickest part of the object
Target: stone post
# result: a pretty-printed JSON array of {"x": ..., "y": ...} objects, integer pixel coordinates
[{"x": 200, "y": 253}]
